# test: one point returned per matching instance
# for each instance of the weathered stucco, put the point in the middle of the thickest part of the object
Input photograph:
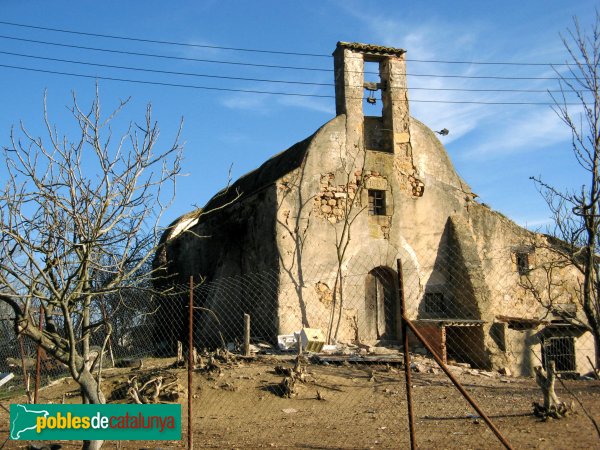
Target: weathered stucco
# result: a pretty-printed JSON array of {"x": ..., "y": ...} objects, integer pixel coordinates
[{"x": 302, "y": 209}]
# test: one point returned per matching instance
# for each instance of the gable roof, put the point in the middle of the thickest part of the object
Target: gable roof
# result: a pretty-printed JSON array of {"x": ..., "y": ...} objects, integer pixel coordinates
[{"x": 265, "y": 175}]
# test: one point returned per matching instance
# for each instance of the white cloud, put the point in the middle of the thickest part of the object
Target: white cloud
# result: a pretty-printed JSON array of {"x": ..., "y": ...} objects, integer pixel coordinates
[
  {"x": 263, "y": 103},
  {"x": 429, "y": 41},
  {"x": 254, "y": 102},
  {"x": 311, "y": 103},
  {"x": 203, "y": 48},
  {"x": 531, "y": 130},
  {"x": 498, "y": 129}
]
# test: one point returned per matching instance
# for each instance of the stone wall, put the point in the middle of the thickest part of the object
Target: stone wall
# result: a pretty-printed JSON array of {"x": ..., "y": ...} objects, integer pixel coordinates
[{"x": 304, "y": 216}]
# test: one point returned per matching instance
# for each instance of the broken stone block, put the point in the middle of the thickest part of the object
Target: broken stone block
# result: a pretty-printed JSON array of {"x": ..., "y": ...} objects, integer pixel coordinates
[{"x": 418, "y": 367}]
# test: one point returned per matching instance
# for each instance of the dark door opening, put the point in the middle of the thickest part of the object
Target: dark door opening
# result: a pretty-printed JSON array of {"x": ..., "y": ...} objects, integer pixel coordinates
[{"x": 381, "y": 305}]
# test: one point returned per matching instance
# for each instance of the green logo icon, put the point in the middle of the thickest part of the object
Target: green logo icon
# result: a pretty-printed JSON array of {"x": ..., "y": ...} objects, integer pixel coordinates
[{"x": 24, "y": 418}]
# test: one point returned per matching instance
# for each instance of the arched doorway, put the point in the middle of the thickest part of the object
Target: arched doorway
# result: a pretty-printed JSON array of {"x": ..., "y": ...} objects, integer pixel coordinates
[{"x": 381, "y": 305}]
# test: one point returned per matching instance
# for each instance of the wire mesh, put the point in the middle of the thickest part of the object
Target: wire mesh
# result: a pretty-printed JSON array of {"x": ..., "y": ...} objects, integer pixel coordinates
[{"x": 326, "y": 364}]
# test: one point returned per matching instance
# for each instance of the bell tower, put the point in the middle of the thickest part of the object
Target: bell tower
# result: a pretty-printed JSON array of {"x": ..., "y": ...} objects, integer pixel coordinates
[{"x": 388, "y": 132}]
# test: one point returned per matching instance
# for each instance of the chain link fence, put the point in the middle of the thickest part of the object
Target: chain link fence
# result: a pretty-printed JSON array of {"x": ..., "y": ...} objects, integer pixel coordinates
[{"x": 313, "y": 358}]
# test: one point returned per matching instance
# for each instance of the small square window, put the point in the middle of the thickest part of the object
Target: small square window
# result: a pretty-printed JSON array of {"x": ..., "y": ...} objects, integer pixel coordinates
[
  {"x": 376, "y": 202},
  {"x": 434, "y": 303},
  {"x": 522, "y": 263}
]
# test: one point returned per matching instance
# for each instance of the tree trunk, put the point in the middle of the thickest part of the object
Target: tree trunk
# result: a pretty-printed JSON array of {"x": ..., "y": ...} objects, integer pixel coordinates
[
  {"x": 546, "y": 384},
  {"x": 553, "y": 407},
  {"x": 93, "y": 395}
]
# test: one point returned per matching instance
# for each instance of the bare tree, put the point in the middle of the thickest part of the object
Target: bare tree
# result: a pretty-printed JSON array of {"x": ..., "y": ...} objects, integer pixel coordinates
[
  {"x": 576, "y": 213},
  {"x": 345, "y": 212},
  {"x": 71, "y": 215}
]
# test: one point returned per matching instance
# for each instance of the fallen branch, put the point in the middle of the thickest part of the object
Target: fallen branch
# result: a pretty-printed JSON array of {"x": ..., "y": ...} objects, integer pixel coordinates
[{"x": 153, "y": 390}]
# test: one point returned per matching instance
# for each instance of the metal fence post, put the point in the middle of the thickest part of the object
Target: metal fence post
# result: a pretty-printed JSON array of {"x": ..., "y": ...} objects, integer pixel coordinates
[
  {"x": 459, "y": 386},
  {"x": 190, "y": 363},
  {"x": 407, "y": 376}
]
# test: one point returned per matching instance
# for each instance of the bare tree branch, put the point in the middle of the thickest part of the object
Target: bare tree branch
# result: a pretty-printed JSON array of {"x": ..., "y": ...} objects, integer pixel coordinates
[{"x": 78, "y": 222}]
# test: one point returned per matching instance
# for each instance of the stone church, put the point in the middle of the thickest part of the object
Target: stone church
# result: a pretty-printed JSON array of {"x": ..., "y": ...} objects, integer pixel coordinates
[{"x": 359, "y": 194}]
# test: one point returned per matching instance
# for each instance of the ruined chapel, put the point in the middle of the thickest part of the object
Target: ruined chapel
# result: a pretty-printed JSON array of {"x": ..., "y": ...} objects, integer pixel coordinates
[{"x": 326, "y": 220}]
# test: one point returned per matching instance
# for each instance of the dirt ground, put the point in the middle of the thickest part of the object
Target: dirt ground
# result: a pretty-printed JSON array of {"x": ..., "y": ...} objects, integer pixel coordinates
[{"x": 350, "y": 406}]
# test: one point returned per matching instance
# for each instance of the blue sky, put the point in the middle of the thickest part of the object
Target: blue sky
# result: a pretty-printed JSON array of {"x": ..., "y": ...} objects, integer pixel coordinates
[{"x": 495, "y": 148}]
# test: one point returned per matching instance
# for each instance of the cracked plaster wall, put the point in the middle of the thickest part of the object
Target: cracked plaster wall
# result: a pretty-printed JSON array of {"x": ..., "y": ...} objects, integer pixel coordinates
[{"x": 293, "y": 223}]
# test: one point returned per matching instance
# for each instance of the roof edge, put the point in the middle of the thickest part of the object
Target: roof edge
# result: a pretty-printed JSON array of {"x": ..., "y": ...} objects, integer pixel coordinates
[{"x": 371, "y": 48}]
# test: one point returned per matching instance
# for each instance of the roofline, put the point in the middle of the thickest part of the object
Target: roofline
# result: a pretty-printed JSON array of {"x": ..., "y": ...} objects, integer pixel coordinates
[{"x": 371, "y": 49}]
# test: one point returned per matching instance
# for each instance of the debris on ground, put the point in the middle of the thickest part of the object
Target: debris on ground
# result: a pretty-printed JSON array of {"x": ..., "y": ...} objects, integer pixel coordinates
[{"x": 148, "y": 388}]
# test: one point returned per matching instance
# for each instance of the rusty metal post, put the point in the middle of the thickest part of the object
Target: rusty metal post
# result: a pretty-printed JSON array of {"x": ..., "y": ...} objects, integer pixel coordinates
[
  {"x": 190, "y": 435},
  {"x": 38, "y": 360},
  {"x": 459, "y": 386},
  {"x": 407, "y": 376}
]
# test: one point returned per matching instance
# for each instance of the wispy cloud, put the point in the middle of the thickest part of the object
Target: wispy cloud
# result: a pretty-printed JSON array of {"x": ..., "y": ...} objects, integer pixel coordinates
[
  {"x": 497, "y": 130},
  {"x": 314, "y": 104},
  {"x": 201, "y": 48},
  {"x": 532, "y": 130},
  {"x": 248, "y": 102},
  {"x": 429, "y": 41},
  {"x": 264, "y": 103}
]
